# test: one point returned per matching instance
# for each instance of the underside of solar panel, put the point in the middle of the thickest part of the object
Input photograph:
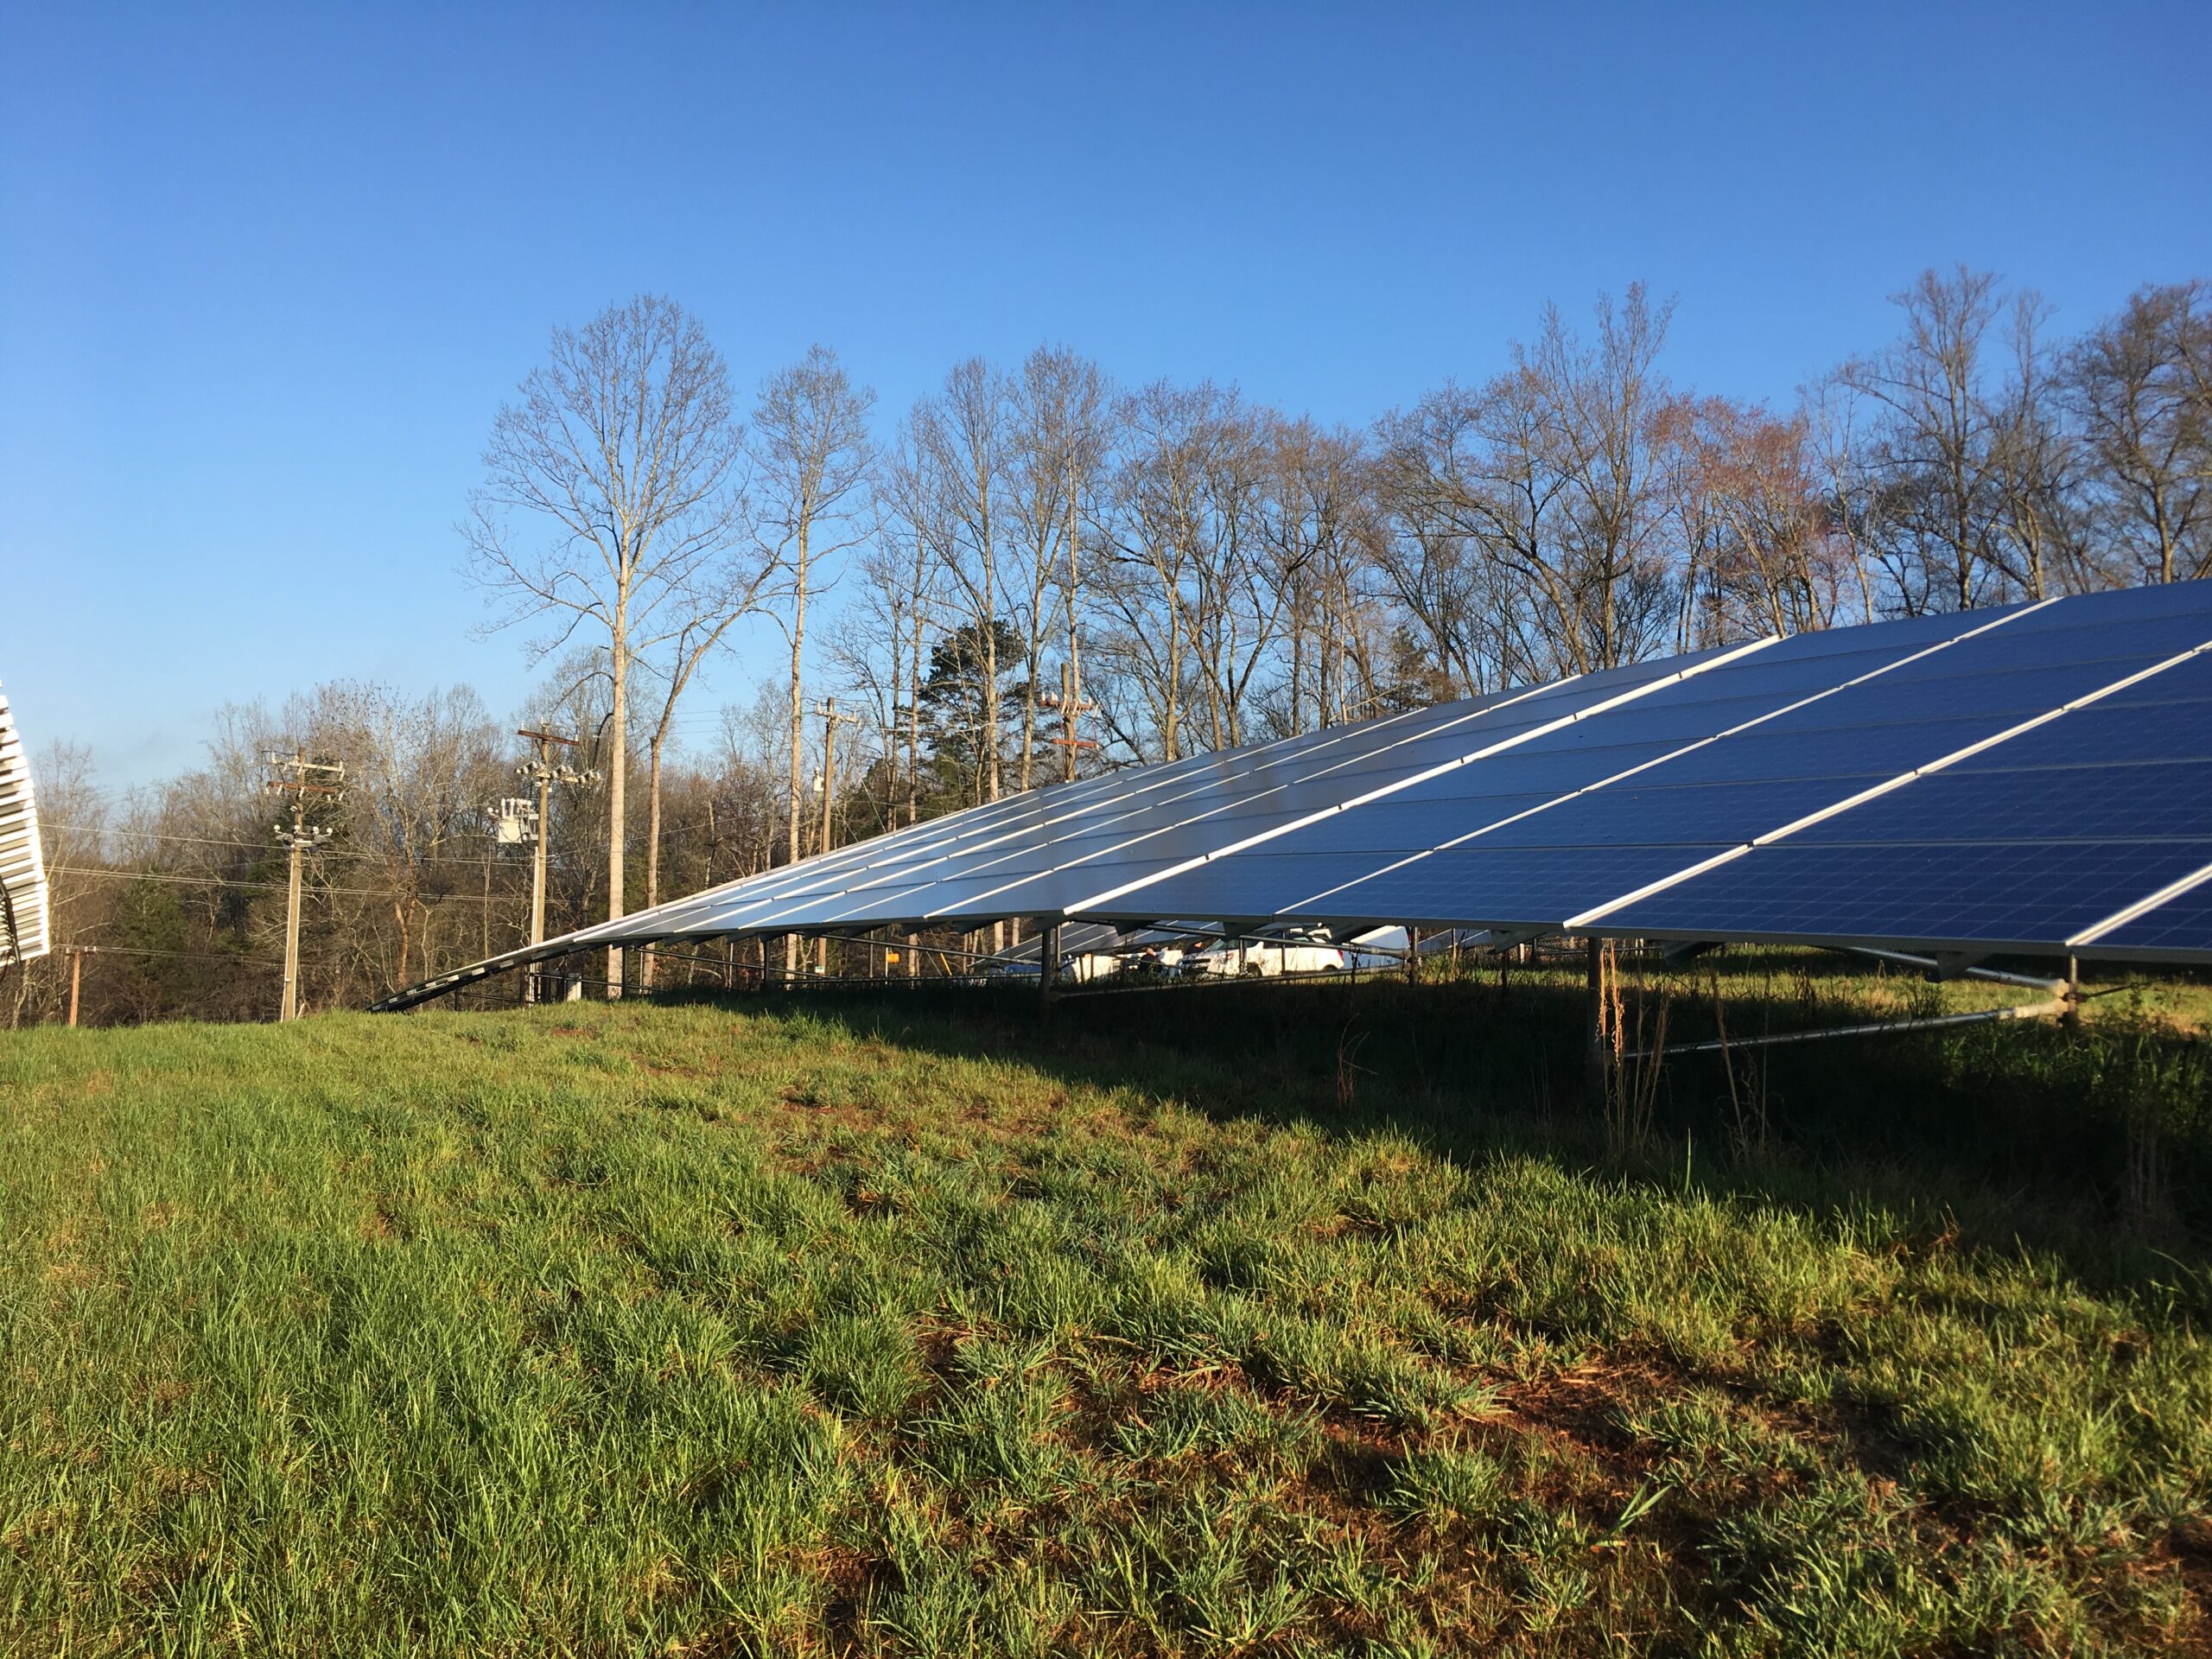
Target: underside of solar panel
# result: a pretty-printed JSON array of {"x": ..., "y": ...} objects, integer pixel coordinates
[{"x": 2035, "y": 780}]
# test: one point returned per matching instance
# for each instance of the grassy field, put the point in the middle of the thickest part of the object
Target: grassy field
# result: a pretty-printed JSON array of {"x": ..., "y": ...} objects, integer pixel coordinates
[{"x": 1261, "y": 1320}]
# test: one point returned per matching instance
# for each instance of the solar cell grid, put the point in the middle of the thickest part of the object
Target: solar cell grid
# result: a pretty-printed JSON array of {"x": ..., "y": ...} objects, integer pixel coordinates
[
  {"x": 2003, "y": 696},
  {"x": 2182, "y": 924},
  {"x": 1581, "y": 756},
  {"x": 2122, "y": 604},
  {"x": 2112, "y": 732},
  {"x": 2038, "y": 804},
  {"x": 1374, "y": 764},
  {"x": 1496, "y": 885},
  {"x": 1996, "y": 893},
  {"x": 2185, "y": 681},
  {"x": 1041, "y": 843}
]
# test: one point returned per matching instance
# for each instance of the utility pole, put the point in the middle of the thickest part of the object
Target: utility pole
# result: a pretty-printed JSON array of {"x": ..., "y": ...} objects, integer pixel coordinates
[
  {"x": 831, "y": 720},
  {"x": 543, "y": 773},
  {"x": 1071, "y": 706},
  {"x": 295, "y": 774},
  {"x": 77, "y": 955}
]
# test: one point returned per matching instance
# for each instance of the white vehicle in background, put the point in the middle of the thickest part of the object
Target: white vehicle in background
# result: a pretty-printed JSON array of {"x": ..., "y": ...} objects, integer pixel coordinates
[
  {"x": 1082, "y": 968},
  {"x": 1264, "y": 958},
  {"x": 1380, "y": 950}
]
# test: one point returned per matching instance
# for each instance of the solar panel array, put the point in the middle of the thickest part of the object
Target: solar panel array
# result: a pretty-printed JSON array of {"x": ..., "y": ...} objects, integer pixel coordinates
[
  {"x": 22, "y": 869},
  {"x": 2034, "y": 779}
]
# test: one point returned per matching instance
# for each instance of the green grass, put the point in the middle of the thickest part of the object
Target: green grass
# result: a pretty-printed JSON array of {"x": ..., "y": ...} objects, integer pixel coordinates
[{"x": 905, "y": 1326}]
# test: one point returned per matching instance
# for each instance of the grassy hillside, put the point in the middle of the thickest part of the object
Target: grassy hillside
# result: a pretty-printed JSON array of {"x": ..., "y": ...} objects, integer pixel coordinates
[{"x": 1284, "y": 1320}]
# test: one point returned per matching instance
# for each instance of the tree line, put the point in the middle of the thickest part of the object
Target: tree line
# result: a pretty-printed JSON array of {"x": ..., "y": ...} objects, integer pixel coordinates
[{"x": 1036, "y": 571}]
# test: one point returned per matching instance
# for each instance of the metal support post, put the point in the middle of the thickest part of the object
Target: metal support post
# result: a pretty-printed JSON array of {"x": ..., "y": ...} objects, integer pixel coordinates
[
  {"x": 1594, "y": 1064},
  {"x": 1048, "y": 961}
]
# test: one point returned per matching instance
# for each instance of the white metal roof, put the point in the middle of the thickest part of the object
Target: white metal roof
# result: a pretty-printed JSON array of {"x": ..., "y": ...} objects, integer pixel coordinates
[{"x": 23, "y": 864}]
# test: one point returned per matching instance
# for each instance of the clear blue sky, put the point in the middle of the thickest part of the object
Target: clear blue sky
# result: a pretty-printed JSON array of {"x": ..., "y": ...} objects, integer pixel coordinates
[{"x": 268, "y": 272}]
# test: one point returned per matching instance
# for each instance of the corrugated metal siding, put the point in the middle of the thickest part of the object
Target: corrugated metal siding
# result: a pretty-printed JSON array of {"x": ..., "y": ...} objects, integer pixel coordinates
[{"x": 22, "y": 865}]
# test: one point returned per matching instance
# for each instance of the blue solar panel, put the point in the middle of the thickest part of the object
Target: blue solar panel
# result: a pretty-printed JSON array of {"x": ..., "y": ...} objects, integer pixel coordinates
[
  {"x": 2183, "y": 922},
  {"x": 1534, "y": 807},
  {"x": 2031, "y": 643},
  {"x": 2122, "y": 604},
  {"x": 1984, "y": 893},
  {"x": 1397, "y": 824},
  {"x": 2183, "y": 681},
  {"x": 2142, "y": 801},
  {"x": 1673, "y": 815},
  {"x": 1396, "y": 758},
  {"x": 2002, "y": 698},
  {"x": 1501, "y": 886},
  {"x": 1669, "y": 815}
]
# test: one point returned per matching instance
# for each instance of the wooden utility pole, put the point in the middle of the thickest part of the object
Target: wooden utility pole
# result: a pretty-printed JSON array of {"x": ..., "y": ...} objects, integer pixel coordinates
[
  {"x": 543, "y": 773},
  {"x": 77, "y": 955},
  {"x": 294, "y": 778},
  {"x": 831, "y": 720},
  {"x": 1071, "y": 707}
]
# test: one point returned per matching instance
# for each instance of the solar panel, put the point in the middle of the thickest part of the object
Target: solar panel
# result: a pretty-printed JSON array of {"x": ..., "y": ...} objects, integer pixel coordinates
[
  {"x": 1568, "y": 771},
  {"x": 1247, "y": 793},
  {"x": 2179, "y": 926},
  {"x": 2018, "y": 777},
  {"x": 2026, "y": 841}
]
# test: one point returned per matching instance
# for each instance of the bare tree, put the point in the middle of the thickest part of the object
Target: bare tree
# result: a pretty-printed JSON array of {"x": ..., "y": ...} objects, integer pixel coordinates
[
  {"x": 1058, "y": 410},
  {"x": 964, "y": 428},
  {"x": 74, "y": 837},
  {"x": 1934, "y": 449},
  {"x": 1764, "y": 556},
  {"x": 1318, "y": 519},
  {"x": 2139, "y": 381},
  {"x": 1462, "y": 528},
  {"x": 1194, "y": 614},
  {"x": 420, "y": 776},
  {"x": 622, "y": 461},
  {"x": 673, "y": 667},
  {"x": 1555, "y": 471},
  {"x": 2037, "y": 470},
  {"x": 913, "y": 552},
  {"x": 1606, "y": 405},
  {"x": 812, "y": 440}
]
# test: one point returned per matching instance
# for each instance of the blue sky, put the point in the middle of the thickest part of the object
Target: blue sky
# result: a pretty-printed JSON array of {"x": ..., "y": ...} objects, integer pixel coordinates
[{"x": 269, "y": 271}]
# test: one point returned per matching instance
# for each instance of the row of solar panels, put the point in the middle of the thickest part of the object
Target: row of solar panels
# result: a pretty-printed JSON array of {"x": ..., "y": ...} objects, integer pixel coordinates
[
  {"x": 2036, "y": 779},
  {"x": 23, "y": 869}
]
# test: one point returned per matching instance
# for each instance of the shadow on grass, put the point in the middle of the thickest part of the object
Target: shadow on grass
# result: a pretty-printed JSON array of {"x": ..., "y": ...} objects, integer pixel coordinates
[{"x": 1993, "y": 1137}]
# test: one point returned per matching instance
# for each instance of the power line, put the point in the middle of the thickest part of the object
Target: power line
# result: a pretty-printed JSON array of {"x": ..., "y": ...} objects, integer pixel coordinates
[
  {"x": 669, "y": 832},
  {"x": 233, "y": 960},
  {"x": 263, "y": 846},
  {"x": 254, "y": 886}
]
